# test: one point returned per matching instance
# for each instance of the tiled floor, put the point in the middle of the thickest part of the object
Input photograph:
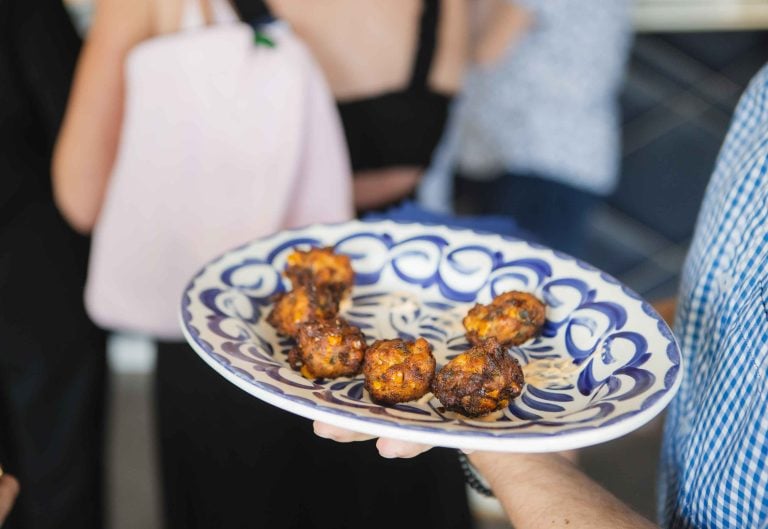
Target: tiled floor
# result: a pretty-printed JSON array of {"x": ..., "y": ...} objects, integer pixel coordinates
[{"x": 677, "y": 103}]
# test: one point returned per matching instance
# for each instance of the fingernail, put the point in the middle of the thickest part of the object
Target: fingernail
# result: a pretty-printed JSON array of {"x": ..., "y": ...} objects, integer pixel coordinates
[{"x": 468, "y": 451}]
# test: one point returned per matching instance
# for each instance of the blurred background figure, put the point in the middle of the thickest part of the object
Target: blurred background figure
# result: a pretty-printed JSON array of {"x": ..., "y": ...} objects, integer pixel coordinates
[
  {"x": 536, "y": 134},
  {"x": 227, "y": 458},
  {"x": 539, "y": 127},
  {"x": 52, "y": 361},
  {"x": 394, "y": 68}
]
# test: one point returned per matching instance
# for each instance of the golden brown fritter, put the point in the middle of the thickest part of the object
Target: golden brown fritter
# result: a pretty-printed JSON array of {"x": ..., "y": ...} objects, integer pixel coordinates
[
  {"x": 328, "y": 349},
  {"x": 302, "y": 305},
  {"x": 398, "y": 371},
  {"x": 322, "y": 267},
  {"x": 512, "y": 318},
  {"x": 479, "y": 381}
]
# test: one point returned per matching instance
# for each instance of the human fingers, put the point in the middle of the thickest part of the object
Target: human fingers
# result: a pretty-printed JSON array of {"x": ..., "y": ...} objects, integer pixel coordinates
[
  {"x": 9, "y": 489},
  {"x": 339, "y": 435},
  {"x": 392, "y": 448},
  {"x": 388, "y": 448},
  {"x": 570, "y": 455}
]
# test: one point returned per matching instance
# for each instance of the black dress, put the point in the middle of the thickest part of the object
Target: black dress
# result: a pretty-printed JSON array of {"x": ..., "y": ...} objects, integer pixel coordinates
[
  {"x": 229, "y": 460},
  {"x": 52, "y": 362}
]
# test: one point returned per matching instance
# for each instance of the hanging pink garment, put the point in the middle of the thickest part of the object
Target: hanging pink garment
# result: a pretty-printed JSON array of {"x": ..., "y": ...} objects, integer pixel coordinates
[{"x": 223, "y": 141}]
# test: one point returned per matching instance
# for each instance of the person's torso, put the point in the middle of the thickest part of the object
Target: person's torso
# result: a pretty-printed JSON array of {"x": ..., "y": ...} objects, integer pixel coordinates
[
  {"x": 548, "y": 106},
  {"x": 396, "y": 126},
  {"x": 714, "y": 468}
]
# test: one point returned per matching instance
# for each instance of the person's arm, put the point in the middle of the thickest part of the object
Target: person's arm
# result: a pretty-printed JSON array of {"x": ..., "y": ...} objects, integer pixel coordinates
[
  {"x": 9, "y": 489},
  {"x": 541, "y": 491},
  {"x": 537, "y": 491},
  {"x": 87, "y": 144},
  {"x": 501, "y": 27}
]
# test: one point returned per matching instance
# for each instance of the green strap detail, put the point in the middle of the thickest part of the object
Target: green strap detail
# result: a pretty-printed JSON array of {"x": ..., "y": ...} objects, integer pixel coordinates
[{"x": 263, "y": 40}]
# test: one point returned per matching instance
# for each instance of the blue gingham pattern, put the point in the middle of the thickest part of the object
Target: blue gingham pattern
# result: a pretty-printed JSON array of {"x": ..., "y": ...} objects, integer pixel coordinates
[{"x": 714, "y": 466}]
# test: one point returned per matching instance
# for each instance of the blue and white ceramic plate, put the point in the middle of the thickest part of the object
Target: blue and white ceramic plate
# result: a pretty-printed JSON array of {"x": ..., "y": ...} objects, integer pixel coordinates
[{"x": 605, "y": 364}]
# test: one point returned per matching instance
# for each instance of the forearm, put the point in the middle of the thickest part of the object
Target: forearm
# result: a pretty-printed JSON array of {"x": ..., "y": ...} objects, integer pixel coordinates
[
  {"x": 547, "y": 491},
  {"x": 87, "y": 144}
]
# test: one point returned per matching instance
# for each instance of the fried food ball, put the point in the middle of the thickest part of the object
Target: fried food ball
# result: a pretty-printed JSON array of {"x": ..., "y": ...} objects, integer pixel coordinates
[
  {"x": 322, "y": 267},
  {"x": 398, "y": 371},
  {"x": 302, "y": 305},
  {"x": 328, "y": 349},
  {"x": 480, "y": 380},
  {"x": 512, "y": 318}
]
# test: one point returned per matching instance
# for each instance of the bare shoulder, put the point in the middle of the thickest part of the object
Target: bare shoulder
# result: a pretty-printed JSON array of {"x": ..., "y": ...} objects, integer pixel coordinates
[
  {"x": 124, "y": 23},
  {"x": 166, "y": 15},
  {"x": 385, "y": 34}
]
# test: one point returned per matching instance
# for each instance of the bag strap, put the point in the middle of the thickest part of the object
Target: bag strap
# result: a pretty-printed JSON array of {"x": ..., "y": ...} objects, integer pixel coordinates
[
  {"x": 425, "y": 51},
  {"x": 199, "y": 13}
]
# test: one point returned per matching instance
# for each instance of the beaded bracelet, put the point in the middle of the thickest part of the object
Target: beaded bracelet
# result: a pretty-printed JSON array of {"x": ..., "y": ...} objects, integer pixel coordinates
[{"x": 471, "y": 477}]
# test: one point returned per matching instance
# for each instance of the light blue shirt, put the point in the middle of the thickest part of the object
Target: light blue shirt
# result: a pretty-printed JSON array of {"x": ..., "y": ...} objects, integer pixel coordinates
[
  {"x": 714, "y": 465},
  {"x": 549, "y": 106}
]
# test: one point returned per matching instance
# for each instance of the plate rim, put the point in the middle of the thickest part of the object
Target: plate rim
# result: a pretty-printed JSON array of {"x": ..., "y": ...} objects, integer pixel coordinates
[{"x": 513, "y": 442}]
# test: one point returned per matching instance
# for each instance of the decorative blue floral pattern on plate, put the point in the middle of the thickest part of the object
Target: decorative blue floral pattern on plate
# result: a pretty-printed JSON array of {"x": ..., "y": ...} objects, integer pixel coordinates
[{"x": 616, "y": 363}]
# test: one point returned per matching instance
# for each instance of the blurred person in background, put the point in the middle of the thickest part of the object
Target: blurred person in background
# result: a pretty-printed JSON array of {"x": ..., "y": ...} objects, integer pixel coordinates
[
  {"x": 52, "y": 361},
  {"x": 227, "y": 459},
  {"x": 536, "y": 133},
  {"x": 394, "y": 68}
]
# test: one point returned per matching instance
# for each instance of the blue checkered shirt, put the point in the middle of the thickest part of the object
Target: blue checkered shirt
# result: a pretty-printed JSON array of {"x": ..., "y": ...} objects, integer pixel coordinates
[{"x": 714, "y": 464}]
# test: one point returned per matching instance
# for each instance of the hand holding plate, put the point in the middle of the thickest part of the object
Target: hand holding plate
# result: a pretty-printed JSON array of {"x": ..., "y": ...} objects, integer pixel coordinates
[{"x": 389, "y": 448}]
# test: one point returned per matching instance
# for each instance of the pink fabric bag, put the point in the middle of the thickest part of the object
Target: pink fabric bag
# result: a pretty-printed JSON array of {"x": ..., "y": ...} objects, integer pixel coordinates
[{"x": 222, "y": 141}]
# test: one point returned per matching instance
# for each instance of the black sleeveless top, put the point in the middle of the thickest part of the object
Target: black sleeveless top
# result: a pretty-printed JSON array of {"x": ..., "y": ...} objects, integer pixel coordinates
[{"x": 398, "y": 128}]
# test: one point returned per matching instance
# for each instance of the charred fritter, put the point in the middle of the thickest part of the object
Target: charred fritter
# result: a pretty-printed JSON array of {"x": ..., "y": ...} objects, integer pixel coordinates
[
  {"x": 398, "y": 371},
  {"x": 328, "y": 349},
  {"x": 322, "y": 267},
  {"x": 512, "y": 318},
  {"x": 302, "y": 305},
  {"x": 479, "y": 381}
]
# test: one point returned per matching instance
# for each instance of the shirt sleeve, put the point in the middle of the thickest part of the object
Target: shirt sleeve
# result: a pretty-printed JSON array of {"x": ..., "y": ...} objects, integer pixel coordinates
[{"x": 572, "y": 8}]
